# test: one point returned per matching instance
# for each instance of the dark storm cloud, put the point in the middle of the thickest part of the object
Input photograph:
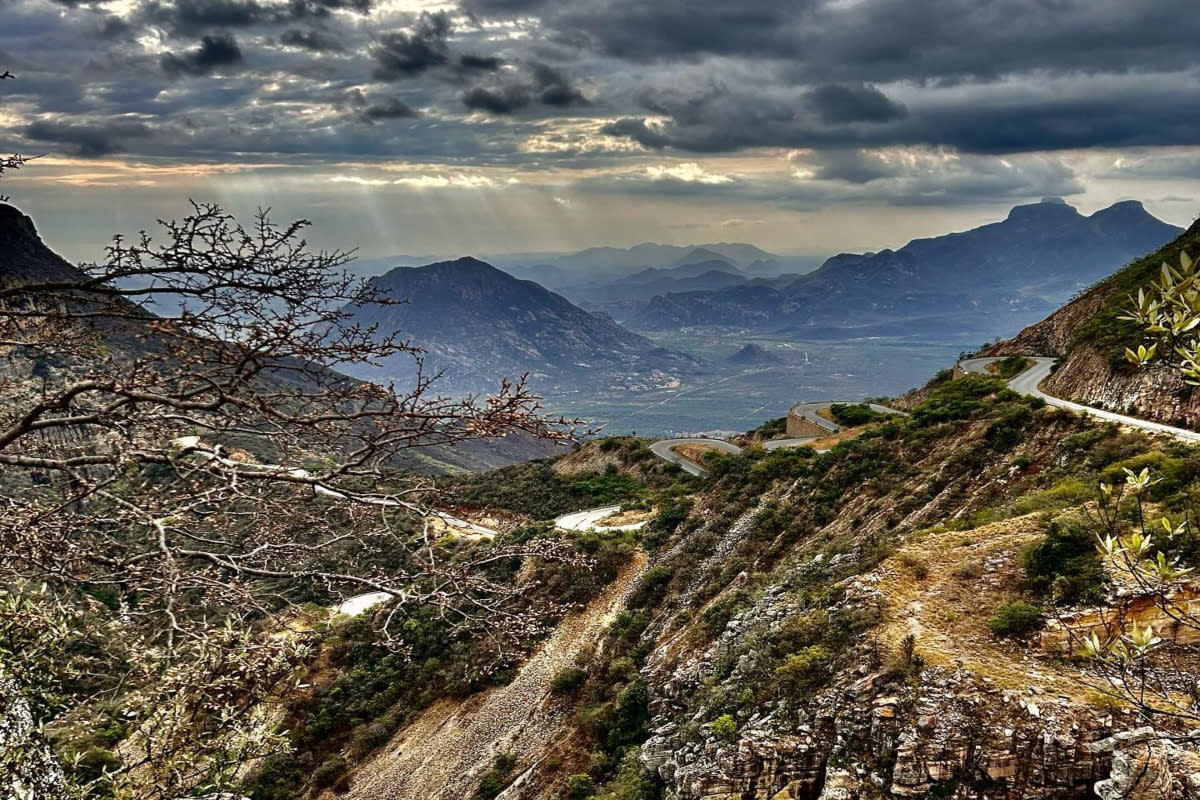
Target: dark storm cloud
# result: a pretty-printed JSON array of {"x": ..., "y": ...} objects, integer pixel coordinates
[
  {"x": 852, "y": 166},
  {"x": 719, "y": 119},
  {"x": 842, "y": 63},
  {"x": 881, "y": 40},
  {"x": 77, "y": 3},
  {"x": 479, "y": 63},
  {"x": 837, "y": 104},
  {"x": 406, "y": 55},
  {"x": 86, "y": 139},
  {"x": 948, "y": 40},
  {"x": 312, "y": 39},
  {"x": 384, "y": 109},
  {"x": 641, "y": 30},
  {"x": 194, "y": 15},
  {"x": 537, "y": 83},
  {"x": 190, "y": 17},
  {"x": 213, "y": 53},
  {"x": 685, "y": 76}
]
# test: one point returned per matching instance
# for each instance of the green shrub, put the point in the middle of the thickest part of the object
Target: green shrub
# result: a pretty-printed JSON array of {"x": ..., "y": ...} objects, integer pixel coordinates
[
  {"x": 1064, "y": 565},
  {"x": 959, "y": 399},
  {"x": 1009, "y": 426},
  {"x": 328, "y": 771},
  {"x": 633, "y": 781},
  {"x": 569, "y": 681},
  {"x": 1010, "y": 367},
  {"x": 580, "y": 787},
  {"x": 492, "y": 782},
  {"x": 851, "y": 416},
  {"x": 1016, "y": 619},
  {"x": 724, "y": 727},
  {"x": 803, "y": 672}
]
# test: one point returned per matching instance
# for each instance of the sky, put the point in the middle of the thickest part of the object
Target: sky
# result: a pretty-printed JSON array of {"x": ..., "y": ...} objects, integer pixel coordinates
[{"x": 491, "y": 126}]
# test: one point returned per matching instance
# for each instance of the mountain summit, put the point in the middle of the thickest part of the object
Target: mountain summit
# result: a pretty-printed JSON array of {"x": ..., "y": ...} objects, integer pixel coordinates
[{"x": 477, "y": 323}]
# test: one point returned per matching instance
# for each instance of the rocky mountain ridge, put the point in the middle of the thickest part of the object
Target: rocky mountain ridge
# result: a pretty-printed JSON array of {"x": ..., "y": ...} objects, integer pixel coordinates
[
  {"x": 476, "y": 323},
  {"x": 989, "y": 279}
]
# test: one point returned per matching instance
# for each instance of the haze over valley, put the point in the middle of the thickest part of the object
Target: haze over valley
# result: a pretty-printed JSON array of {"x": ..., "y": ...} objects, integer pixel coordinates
[{"x": 651, "y": 339}]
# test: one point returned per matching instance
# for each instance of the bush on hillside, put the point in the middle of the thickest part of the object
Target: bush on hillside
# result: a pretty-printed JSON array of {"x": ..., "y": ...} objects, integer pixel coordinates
[
  {"x": 569, "y": 681},
  {"x": 1064, "y": 565},
  {"x": 1015, "y": 620},
  {"x": 851, "y": 416}
]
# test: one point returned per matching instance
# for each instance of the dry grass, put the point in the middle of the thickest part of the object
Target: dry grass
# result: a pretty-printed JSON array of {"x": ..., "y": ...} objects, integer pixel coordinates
[
  {"x": 626, "y": 518},
  {"x": 827, "y": 442},
  {"x": 945, "y": 587},
  {"x": 694, "y": 452},
  {"x": 826, "y": 413}
]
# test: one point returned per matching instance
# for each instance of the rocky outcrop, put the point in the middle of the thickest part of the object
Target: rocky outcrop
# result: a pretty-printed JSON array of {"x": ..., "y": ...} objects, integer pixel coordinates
[
  {"x": 28, "y": 767},
  {"x": 1168, "y": 615},
  {"x": 950, "y": 734},
  {"x": 1156, "y": 393},
  {"x": 1140, "y": 770}
]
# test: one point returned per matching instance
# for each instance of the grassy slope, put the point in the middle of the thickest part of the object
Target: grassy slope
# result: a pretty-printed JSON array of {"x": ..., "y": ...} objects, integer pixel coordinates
[{"x": 1105, "y": 331}]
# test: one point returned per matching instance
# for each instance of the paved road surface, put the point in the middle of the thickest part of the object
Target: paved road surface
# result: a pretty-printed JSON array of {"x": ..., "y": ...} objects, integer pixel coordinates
[
  {"x": 1029, "y": 382},
  {"x": 663, "y": 450},
  {"x": 586, "y": 520}
]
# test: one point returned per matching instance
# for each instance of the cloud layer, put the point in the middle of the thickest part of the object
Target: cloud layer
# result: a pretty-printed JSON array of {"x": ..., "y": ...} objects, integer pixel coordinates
[{"x": 914, "y": 102}]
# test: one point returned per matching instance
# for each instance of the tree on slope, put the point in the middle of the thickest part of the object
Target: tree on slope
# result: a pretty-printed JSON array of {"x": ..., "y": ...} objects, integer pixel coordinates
[{"x": 181, "y": 462}]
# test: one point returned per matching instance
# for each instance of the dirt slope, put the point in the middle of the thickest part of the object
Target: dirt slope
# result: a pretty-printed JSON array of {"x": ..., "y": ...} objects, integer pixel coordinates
[{"x": 441, "y": 755}]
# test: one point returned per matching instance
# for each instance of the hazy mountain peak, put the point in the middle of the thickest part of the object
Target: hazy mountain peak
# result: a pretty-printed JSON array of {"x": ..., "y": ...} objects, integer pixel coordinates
[
  {"x": 700, "y": 255},
  {"x": 1050, "y": 208},
  {"x": 1125, "y": 210},
  {"x": 478, "y": 322}
]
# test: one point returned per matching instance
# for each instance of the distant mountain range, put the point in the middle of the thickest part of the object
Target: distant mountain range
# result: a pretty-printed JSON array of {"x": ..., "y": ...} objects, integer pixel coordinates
[
  {"x": 598, "y": 265},
  {"x": 991, "y": 280},
  {"x": 478, "y": 323}
]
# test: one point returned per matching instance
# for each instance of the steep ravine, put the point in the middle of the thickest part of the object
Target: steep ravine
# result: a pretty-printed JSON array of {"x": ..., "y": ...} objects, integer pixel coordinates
[{"x": 441, "y": 755}]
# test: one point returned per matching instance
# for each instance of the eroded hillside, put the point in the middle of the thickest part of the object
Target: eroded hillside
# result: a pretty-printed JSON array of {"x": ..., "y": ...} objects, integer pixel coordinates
[{"x": 838, "y": 625}]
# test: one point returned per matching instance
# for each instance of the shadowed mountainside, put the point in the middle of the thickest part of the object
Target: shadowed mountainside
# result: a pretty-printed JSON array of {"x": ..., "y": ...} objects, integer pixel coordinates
[
  {"x": 989, "y": 280},
  {"x": 477, "y": 323}
]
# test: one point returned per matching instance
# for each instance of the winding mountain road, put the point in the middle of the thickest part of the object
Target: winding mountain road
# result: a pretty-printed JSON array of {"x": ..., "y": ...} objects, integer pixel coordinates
[
  {"x": 809, "y": 413},
  {"x": 586, "y": 520},
  {"x": 1029, "y": 383},
  {"x": 665, "y": 449}
]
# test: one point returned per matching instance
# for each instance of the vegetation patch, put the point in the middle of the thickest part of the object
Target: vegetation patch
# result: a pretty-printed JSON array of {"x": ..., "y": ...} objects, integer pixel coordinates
[
  {"x": 1016, "y": 619},
  {"x": 852, "y": 416}
]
